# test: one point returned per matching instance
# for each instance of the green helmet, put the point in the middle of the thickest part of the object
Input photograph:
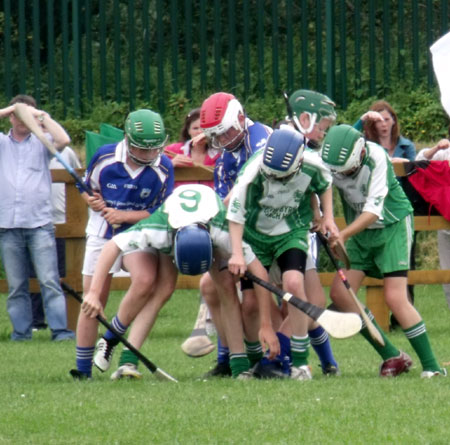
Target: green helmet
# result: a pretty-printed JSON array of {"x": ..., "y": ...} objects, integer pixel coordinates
[
  {"x": 342, "y": 147},
  {"x": 317, "y": 105},
  {"x": 145, "y": 130}
]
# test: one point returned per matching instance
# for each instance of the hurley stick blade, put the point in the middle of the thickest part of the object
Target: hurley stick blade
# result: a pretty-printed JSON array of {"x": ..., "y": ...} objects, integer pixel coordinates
[
  {"x": 341, "y": 254},
  {"x": 198, "y": 344},
  {"x": 340, "y": 324},
  {"x": 331, "y": 321},
  {"x": 337, "y": 324}
]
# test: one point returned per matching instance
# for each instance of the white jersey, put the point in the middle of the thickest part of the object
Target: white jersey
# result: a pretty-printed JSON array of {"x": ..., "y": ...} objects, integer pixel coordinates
[
  {"x": 188, "y": 204},
  {"x": 374, "y": 189},
  {"x": 275, "y": 207}
]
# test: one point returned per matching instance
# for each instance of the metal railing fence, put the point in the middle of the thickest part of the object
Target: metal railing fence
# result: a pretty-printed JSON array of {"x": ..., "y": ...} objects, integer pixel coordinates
[{"x": 73, "y": 51}]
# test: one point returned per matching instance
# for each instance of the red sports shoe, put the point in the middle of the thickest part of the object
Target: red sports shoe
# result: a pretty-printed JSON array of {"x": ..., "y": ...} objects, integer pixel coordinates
[{"x": 394, "y": 366}]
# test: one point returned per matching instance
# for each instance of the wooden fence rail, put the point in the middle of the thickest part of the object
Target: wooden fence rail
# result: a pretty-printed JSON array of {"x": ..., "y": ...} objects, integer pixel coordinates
[{"x": 74, "y": 233}]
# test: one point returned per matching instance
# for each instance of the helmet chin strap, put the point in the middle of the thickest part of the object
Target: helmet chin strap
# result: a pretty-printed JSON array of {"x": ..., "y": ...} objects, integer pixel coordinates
[
  {"x": 153, "y": 162},
  {"x": 312, "y": 120}
]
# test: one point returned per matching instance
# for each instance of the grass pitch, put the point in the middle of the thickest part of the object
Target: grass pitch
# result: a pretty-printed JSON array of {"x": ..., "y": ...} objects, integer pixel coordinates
[{"x": 42, "y": 405}]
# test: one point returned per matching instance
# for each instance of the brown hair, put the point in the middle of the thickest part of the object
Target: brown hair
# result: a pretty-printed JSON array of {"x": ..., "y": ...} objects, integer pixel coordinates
[
  {"x": 370, "y": 129},
  {"x": 23, "y": 99},
  {"x": 192, "y": 116}
]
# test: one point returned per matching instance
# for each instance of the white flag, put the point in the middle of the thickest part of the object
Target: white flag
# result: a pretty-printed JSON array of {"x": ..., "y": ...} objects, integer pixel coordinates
[{"x": 440, "y": 50}]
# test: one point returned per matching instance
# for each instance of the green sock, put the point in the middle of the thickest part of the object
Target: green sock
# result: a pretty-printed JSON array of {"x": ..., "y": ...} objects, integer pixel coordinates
[
  {"x": 299, "y": 350},
  {"x": 386, "y": 351},
  {"x": 418, "y": 337},
  {"x": 128, "y": 357},
  {"x": 238, "y": 364},
  {"x": 254, "y": 351}
]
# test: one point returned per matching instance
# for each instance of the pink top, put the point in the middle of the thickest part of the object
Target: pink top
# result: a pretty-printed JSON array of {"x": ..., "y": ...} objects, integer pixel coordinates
[{"x": 185, "y": 149}]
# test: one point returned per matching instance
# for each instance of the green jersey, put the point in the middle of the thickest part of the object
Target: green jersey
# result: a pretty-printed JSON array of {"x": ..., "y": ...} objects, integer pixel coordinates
[
  {"x": 188, "y": 204},
  {"x": 373, "y": 189},
  {"x": 275, "y": 208}
]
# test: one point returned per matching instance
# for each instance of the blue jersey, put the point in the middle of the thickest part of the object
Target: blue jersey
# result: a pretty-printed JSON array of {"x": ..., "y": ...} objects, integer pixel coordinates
[
  {"x": 145, "y": 188},
  {"x": 229, "y": 163}
]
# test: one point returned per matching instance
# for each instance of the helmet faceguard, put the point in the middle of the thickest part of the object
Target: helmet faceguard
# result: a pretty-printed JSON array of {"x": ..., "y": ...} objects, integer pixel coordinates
[
  {"x": 317, "y": 105},
  {"x": 342, "y": 148},
  {"x": 283, "y": 154},
  {"x": 220, "y": 121},
  {"x": 193, "y": 251},
  {"x": 145, "y": 131}
]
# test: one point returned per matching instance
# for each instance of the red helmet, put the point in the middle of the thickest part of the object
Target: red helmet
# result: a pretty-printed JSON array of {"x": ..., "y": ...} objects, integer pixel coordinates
[{"x": 219, "y": 113}]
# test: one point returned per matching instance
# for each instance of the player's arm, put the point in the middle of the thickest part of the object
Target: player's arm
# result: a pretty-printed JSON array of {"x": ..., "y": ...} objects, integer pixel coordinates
[
  {"x": 236, "y": 264},
  {"x": 328, "y": 224},
  {"x": 361, "y": 223},
  {"x": 116, "y": 216},
  {"x": 92, "y": 305}
]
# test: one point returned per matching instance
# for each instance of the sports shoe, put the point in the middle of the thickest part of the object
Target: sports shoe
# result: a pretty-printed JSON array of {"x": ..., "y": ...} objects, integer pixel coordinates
[
  {"x": 330, "y": 370},
  {"x": 431, "y": 374},
  {"x": 301, "y": 372},
  {"x": 220, "y": 370},
  {"x": 103, "y": 354},
  {"x": 394, "y": 366},
  {"x": 78, "y": 375},
  {"x": 246, "y": 375},
  {"x": 127, "y": 370},
  {"x": 270, "y": 369}
]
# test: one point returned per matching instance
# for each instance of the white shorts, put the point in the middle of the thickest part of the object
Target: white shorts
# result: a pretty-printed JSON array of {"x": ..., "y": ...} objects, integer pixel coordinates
[{"x": 94, "y": 245}]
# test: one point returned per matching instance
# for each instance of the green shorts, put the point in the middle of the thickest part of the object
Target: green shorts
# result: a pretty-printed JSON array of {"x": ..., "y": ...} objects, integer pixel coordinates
[
  {"x": 381, "y": 251},
  {"x": 268, "y": 248}
]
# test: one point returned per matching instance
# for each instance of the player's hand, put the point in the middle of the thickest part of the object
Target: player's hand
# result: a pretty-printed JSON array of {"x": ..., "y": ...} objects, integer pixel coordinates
[
  {"x": 329, "y": 227},
  {"x": 269, "y": 341},
  {"x": 236, "y": 265},
  {"x": 91, "y": 305},
  {"x": 113, "y": 216},
  {"x": 96, "y": 202}
]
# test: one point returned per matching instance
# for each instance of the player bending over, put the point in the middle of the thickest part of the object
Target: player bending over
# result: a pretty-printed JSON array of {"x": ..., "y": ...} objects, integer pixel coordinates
[
  {"x": 270, "y": 209},
  {"x": 190, "y": 227}
]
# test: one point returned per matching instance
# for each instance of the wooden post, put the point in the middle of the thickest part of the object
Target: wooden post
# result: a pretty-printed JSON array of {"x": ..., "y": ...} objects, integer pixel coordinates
[{"x": 376, "y": 303}]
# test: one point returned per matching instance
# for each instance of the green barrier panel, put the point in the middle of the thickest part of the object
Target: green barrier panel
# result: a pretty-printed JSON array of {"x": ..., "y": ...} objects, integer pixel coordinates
[
  {"x": 96, "y": 140},
  {"x": 111, "y": 132}
]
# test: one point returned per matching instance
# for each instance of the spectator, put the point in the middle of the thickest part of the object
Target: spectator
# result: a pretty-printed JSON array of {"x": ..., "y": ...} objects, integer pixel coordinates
[
  {"x": 381, "y": 126},
  {"x": 130, "y": 180},
  {"x": 193, "y": 147},
  {"x": 59, "y": 217},
  {"x": 26, "y": 227},
  {"x": 440, "y": 152}
]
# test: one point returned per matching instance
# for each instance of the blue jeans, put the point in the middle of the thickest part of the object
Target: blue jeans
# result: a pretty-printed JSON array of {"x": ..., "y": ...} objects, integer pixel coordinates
[{"x": 38, "y": 244}]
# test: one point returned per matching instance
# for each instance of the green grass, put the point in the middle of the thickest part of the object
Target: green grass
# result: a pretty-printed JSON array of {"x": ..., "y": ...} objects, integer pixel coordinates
[{"x": 40, "y": 404}]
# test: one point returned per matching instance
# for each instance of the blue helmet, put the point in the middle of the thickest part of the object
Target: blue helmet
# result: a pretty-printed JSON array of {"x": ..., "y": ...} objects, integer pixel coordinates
[
  {"x": 283, "y": 154},
  {"x": 193, "y": 249}
]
